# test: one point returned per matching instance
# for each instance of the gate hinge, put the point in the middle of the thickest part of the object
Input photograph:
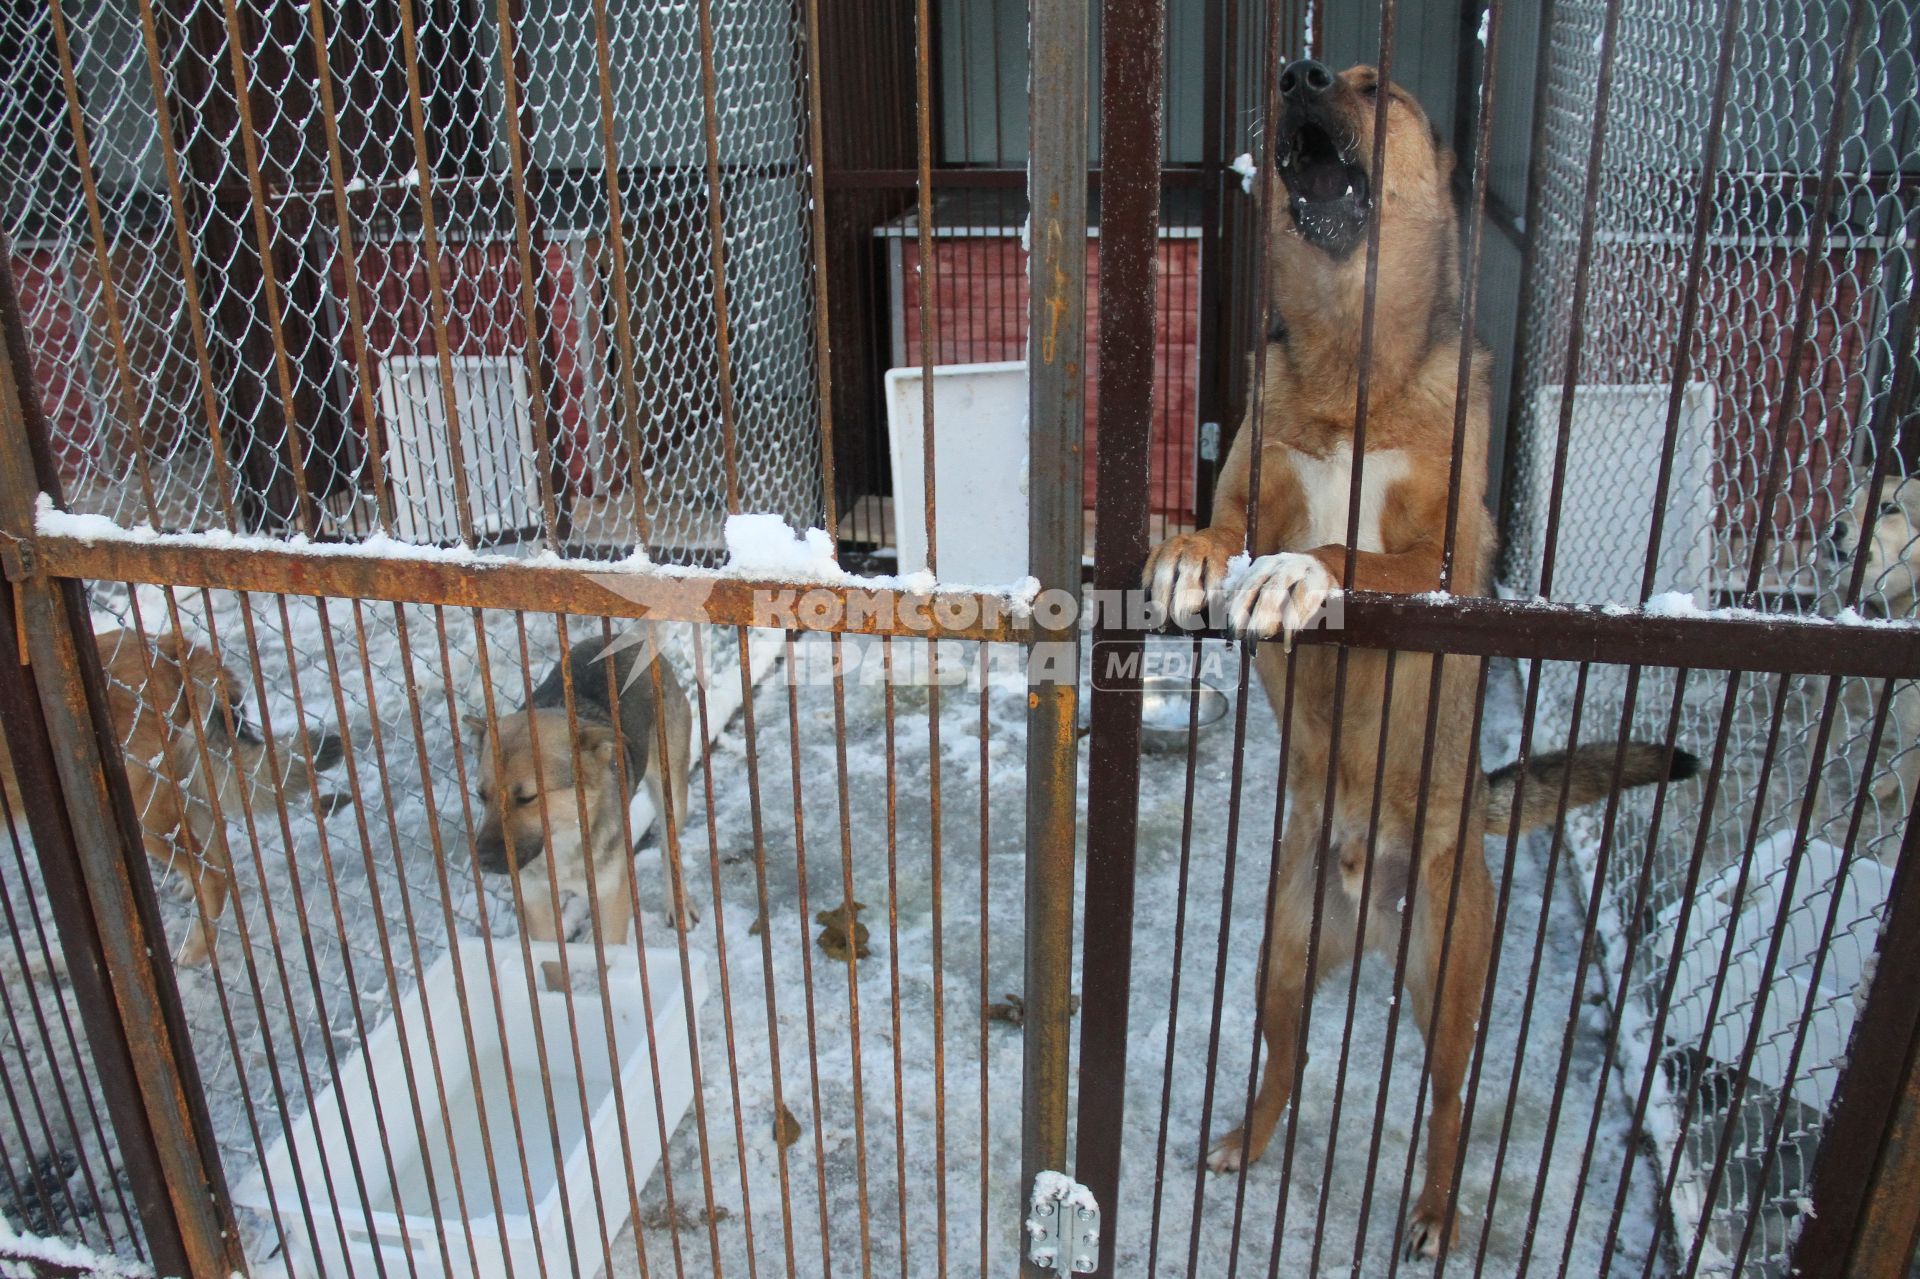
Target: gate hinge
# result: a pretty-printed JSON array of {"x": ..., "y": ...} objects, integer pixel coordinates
[
  {"x": 1063, "y": 1225},
  {"x": 18, "y": 560}
]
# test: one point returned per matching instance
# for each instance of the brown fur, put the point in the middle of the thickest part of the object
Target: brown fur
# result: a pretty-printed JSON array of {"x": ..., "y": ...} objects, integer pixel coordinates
[
  {"x": 1562, "y": 781},
  {"x": 169, "y": 705},
  {"x": 549, "y": 787},
  {"x": 1306, "y": 433}
]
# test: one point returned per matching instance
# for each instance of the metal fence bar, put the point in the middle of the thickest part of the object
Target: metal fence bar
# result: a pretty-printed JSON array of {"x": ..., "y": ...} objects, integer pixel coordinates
[
  {"x": 1863, "y": 1224},
  {"x": 94, "y": 868},
  {"x": 1132, "y": 33},
  {"x": 1057, "y": 192}
]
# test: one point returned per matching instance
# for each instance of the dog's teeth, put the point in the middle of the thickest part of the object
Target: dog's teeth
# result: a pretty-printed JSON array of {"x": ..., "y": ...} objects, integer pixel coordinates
[{"x": 1349, "y": 190}]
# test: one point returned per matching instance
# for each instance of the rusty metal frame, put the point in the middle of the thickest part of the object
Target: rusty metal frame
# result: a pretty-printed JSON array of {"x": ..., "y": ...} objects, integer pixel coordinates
[
  {"x": 87, "y": 837},
  {"x": 1056, "y": 416},
  {"x": 1130, "y": 106}
]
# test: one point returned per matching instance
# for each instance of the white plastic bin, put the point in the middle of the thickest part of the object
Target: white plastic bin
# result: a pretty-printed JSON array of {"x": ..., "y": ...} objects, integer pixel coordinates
[
  {"x": 980, "y": 470},
  {"x": 342, "y": 1124}
]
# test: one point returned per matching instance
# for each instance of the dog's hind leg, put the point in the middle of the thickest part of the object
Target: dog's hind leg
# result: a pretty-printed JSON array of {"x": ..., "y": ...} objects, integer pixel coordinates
[
  {"x": 662, "y": 782},
  {"x": 207, "y": 868},
  {"x": 1449, "y": 1020},
  {"x": 1286, "y": 983}
]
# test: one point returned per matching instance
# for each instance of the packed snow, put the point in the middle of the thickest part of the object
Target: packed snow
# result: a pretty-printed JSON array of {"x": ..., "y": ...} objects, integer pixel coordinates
[{"x": 902, "y": 1117}]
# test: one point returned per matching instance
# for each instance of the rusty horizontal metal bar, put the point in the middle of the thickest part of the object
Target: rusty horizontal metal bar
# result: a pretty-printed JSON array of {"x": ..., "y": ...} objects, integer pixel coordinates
[
  {"x": 579, "y": 587},
  {"x": 1723, "y": 640}
]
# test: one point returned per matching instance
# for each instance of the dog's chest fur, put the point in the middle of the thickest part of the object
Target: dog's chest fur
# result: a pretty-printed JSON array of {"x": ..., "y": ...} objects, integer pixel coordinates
[{"x": 1326, "y": 484}]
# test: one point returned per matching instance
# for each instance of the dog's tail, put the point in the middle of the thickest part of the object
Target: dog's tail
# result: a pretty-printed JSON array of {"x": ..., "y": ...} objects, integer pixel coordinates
[{"x": 1586, "y": 774}]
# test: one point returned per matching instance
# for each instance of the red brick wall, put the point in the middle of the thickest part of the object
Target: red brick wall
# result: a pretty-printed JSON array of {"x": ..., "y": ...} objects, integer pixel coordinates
[{"x": 980, "y": 315}]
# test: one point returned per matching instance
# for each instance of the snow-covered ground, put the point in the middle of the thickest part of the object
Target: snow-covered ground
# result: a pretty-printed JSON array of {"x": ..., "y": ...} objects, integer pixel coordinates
[{"x": 937, "y": 1115}]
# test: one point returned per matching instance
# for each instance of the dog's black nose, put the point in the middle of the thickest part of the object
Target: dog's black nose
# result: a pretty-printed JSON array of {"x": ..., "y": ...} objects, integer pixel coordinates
[
  {"x": 1305, "y": 80},
  {"x": 1839, "y": 535}
]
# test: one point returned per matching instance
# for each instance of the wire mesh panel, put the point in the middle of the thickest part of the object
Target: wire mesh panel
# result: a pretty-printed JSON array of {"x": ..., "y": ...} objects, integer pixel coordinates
[
  {"x": 1746, "y": 244},
  {"x": 381, "y": 246}
]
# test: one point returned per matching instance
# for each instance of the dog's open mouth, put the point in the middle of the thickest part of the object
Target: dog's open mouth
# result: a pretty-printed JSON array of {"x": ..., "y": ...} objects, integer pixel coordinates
[{"x": 1327, "y": 191}]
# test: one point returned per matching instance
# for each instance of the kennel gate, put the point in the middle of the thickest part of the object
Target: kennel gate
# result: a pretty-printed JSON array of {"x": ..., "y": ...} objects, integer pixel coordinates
[
  {"x": 317, "y": 165},
  {"x": 156, "y": 1083}
]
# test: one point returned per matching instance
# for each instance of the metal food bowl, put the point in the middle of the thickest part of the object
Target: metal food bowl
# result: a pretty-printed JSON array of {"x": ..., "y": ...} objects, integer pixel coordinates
[{"x": 1166, "y": 709}]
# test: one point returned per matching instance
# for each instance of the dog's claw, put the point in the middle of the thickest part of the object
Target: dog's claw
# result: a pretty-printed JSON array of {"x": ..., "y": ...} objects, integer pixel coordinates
[
  {"x": 1281, "y": 595},
  {"x": 1423, "y": 1235},
  {"x": 1184, "y": 573},
  {"x": 1231, "y": 1152}
]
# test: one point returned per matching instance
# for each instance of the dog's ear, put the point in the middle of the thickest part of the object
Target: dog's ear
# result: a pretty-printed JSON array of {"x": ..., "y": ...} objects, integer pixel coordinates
[
  {"x": 598, "y": 744},
  {"x": 171, "y": 645}
]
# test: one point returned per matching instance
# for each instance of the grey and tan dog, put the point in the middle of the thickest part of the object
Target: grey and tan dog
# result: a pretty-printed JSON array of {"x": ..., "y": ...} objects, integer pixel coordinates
[
  {"x": 592, "y": 765},
  {"x": 1887, "y": 519}
]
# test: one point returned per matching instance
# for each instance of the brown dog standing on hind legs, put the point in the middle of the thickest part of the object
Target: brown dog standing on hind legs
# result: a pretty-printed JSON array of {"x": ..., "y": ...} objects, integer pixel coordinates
[
  {"x": 1323, "y": 146},
  {"x": 539, "y": 752}
]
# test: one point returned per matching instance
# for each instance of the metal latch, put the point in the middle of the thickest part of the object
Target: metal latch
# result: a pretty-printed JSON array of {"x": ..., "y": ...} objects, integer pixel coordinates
[
  {"x": 1209, "y": 441},
  {"x": 18, "y": 562},
  {"x": 1063, "y": 1225}
]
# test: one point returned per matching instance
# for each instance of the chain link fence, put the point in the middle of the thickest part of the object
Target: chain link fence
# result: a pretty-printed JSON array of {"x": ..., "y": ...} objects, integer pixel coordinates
[
  {"x": 1787, "y": 405},
  {"x": 274, "y": 291}
]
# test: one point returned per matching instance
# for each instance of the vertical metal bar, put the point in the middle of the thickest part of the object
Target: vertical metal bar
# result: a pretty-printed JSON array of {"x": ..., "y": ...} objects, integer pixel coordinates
[
  {"x": 531, "y": 245},
  {"x": 806, "y": 962},
  {"x": 629, "y": 356},
  {"x": 1056, "y": 413},
  {"x": 717, "y": 242},
  {"x": 817, "y": 202},
  {"x": 750, "y": 733},
  {"x": 1663, "y": 1004},
  {"x": 436, "y": 284},
  {"x": 1871, "y": 1122},
  {"x": 928, "y": 274},
  {"x": 263, "y": 229},
  {"x": 986, "y": 933},
  {"x": 1849, "y": 851},
  {"x": 1788, "y": 398},
  {"x": 893, "y": 949},
  {"x": 1690, "y": 293},
  {"x": 1582, "y": 280},
  {"x": 44, "y": 953},
  {"x": 1529, "y": 265},
  {"x": 1179, "y": 948},
  {"x": 168, "y": 1136},
  {"x": 1131, "y": 36},
  {"x": 110, "y": 293},
  {"x": 724, "y": 970}
]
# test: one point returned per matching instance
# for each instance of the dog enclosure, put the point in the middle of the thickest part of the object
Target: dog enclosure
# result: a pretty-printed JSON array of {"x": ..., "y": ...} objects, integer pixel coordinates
[{"x": 371, "y": 355}]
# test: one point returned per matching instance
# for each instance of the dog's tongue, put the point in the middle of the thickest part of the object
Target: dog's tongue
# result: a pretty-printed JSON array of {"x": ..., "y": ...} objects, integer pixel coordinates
[{"x": 1325, "y": 180}]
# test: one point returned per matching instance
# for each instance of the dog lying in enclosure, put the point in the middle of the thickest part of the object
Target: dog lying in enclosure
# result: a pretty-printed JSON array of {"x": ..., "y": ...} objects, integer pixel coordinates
[
  {"x": 1323, "y": 147},
  {"x": 183, "y": 800},
  {"x": 536, "y": 752}
]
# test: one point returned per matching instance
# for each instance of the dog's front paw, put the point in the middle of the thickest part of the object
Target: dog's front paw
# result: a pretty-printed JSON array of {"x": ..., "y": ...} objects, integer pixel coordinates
[
  {"x": 1281, "y": 595},
  {"x": 1185, "y": 570},
  {"x": 686, "y": 917}
]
